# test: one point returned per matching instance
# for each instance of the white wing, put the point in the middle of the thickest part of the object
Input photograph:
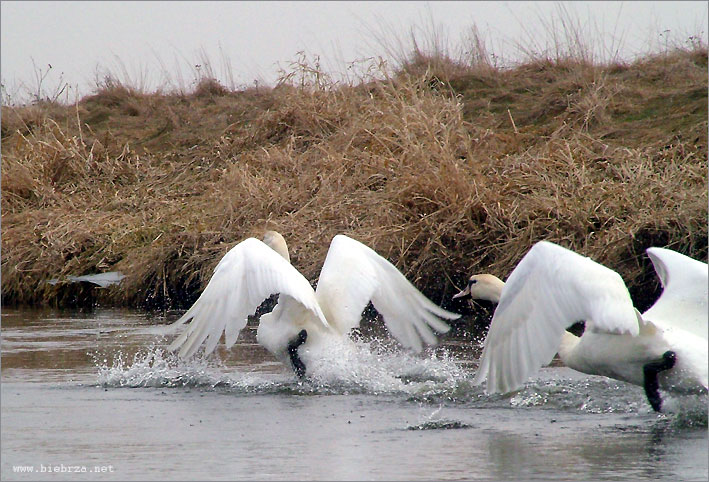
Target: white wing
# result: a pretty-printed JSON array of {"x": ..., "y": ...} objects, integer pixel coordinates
[
  {"x": 683, "y": 302},
  {"x": 354, "y": 274},
  {"x": 248, "y": 274},
  {"x": 549, "y": 290}
]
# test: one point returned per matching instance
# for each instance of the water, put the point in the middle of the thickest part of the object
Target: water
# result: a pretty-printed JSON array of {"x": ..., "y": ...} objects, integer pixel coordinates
[{"x": 98, "y": 392}]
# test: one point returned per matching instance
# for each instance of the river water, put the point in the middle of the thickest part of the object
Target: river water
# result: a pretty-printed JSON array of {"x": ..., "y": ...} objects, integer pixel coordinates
[{"x": 95, "y": 396}]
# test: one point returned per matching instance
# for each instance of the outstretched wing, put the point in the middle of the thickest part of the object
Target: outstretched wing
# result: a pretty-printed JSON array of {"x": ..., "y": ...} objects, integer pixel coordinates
[
  {"x": 249, "y": 273},
  {"x": 354, "y": 274},
  {"x": 549, "y": 290},
  {"x": 683, "y": 302}
]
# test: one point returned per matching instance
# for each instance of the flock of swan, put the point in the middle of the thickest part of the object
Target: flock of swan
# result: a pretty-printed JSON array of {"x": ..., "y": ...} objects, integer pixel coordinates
[{"x": 550, "y": 289}]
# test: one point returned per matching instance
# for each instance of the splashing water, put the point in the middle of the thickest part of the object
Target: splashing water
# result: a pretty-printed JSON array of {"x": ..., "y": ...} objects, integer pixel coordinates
[
  {"x": 346, "y": 367},
  {"x": 376, "y": 367},
  {"x": 591, "y": 395},
  {"x": 157, "y": 367},
  {"x": 433, "y": 421}
]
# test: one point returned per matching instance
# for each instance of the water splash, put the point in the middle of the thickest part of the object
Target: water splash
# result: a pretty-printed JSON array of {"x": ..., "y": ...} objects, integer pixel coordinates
[
  {"x": 689, "y": 411},
  {"x": 345, "y": 367},
  {"x": 156, "y": 367},
  {"x": 433, "y": 422},
  {"x": 590, "y": 395},
  {"x": 377, "y": 367},
  {"x": 442, "y": 424}
]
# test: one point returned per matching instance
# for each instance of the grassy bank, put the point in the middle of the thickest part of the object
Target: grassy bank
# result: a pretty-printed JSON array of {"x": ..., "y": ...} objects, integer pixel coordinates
[{"x": 445, "y": 169}]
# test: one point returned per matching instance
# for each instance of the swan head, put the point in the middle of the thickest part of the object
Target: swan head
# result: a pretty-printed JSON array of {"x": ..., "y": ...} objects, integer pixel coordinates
[
  {"x": 482, "y": 287},
  {"x": 275, "y": 241}
]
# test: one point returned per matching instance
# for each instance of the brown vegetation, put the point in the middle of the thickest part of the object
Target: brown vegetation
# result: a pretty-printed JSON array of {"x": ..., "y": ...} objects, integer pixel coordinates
[{"x": 441, "y": 168}]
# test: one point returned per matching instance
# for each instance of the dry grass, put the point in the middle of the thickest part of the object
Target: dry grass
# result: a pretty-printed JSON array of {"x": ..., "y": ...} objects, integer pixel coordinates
[{"x": 443, "y": 170}]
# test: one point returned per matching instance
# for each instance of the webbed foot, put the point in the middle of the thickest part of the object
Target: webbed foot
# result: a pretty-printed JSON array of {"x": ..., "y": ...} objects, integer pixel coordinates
[
  {"x": 298, "y": 365},
  {"x": 650, "y": 383}
]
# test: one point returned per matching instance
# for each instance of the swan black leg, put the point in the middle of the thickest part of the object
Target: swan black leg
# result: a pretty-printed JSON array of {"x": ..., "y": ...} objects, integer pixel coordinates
[
  {"x": 650, "y": 371},
  {"x": 298, "y": 365}
]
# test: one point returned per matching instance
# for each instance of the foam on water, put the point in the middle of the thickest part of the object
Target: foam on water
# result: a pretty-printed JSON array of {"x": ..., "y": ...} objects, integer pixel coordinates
[
  {"x": 686, "y": 411},
  {"x": 157, "y": 367},
  {"x": 347, "y": 367},
  {"x": 592, "y": 395},
  {"x": 376, "y": 367}
]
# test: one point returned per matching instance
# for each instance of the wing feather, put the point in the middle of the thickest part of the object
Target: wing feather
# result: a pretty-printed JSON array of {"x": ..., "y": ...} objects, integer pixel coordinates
[
  {"x": 248, "y": 274},
  {"x": 683, "y": 302},
  {"x": 354, "y": 274},
  {"x": 231, "y": 331},
  {"x": 549, "y": 290}
]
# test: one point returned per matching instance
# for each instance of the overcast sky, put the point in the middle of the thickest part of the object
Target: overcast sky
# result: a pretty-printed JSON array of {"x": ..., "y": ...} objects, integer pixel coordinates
[{"x": 159, "y": 43}]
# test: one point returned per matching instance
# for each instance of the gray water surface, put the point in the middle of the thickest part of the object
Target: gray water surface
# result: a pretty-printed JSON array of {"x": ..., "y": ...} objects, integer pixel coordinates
[{"x": 99, "y": 392}]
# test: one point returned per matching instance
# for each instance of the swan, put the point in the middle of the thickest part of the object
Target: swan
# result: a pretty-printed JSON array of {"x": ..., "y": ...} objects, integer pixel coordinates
[
  {"x": 552, "y": 288},
  {"x": 305, "y": 321}
]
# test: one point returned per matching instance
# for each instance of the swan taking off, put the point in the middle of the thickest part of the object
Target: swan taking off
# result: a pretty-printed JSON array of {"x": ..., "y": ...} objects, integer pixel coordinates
[
  {"x": 553, "y": 287},
  {"x": 304, "y": 320}
]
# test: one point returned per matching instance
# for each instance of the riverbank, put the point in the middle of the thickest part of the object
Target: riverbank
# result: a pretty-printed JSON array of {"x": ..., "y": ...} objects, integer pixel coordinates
[{"x": 444, "y": 169}]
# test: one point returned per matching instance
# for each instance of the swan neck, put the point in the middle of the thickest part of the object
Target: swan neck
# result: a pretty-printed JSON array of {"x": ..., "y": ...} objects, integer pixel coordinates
[
  {"x": 275, "y": 241},
  {"x": 566, "y": 347}
]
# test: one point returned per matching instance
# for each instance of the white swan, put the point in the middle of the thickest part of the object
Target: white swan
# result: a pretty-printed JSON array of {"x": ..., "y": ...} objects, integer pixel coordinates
[
  {"x": 553, "y": 287},
  {"x": 304, "y": 320}
]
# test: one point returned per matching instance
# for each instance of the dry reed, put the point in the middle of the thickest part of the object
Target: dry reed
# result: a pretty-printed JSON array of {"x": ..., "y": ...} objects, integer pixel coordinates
[{"x": 443, "y": 170}]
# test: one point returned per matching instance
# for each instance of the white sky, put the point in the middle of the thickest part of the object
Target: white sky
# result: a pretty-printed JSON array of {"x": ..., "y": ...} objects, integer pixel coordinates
[{"x": 158, "y": 43}]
